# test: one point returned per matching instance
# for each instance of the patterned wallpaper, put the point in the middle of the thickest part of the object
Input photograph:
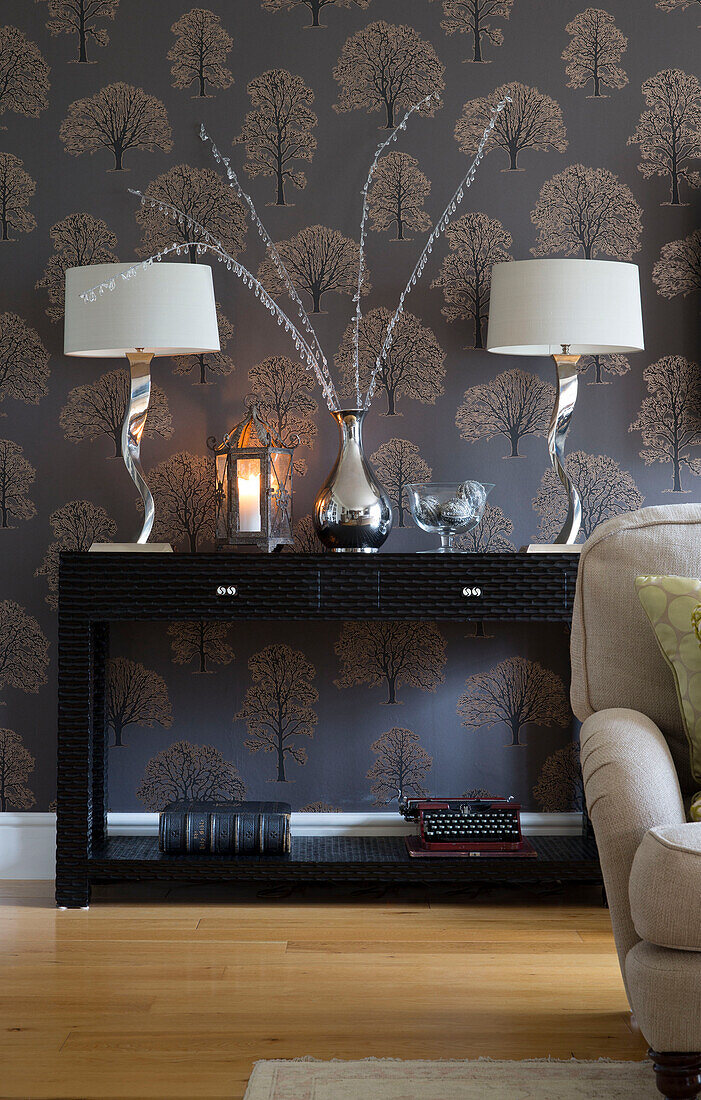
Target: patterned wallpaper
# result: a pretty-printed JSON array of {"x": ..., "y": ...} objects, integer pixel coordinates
[{"x": 598, "y": 156}]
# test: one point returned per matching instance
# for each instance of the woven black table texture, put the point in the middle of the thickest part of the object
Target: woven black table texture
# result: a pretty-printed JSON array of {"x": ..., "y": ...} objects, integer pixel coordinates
[
  {"x": 514, "y": 587},
  {"x": 343, "y": 858}
]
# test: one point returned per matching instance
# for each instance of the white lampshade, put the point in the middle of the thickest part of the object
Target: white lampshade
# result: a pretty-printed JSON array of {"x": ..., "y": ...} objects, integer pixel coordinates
[
  {"x": 165, "y": 309},
  {"x": 593, "y": 306}
]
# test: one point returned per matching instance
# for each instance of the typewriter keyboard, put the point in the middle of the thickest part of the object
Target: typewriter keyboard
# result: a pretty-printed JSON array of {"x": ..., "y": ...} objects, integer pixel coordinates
[{"x": 484, "y": 826}]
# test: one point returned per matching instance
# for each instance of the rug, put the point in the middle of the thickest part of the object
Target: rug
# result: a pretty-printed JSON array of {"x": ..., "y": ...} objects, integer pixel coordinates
[{"x": 483, "y": 1079}]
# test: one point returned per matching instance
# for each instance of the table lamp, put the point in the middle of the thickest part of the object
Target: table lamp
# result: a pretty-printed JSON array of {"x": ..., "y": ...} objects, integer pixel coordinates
[
  {"x": 564, "y": 308},
  {"x": 165, "y": 309}
]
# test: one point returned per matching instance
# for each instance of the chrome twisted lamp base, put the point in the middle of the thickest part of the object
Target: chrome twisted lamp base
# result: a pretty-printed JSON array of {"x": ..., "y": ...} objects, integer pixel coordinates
[
  {"x": 567, "y": 378},
  {"x": 133, "y": 429}
]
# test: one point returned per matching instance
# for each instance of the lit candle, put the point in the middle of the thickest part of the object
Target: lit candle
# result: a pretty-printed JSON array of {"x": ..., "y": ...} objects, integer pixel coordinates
[{"x": 249, "y": 502}]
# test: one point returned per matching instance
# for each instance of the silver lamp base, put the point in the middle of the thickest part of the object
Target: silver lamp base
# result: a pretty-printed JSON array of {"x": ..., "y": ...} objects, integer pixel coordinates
[
  {"x": 567, "y": 378},
  {"x": 133, "y": 429},
  {"x": 552, "y": 548},
  {"x": 131, "y": 548}
]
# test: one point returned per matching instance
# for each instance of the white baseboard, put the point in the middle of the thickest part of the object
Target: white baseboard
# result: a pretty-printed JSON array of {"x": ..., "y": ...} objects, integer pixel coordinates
[
  {"x": 27, "y": 845},
  {"x": 28, "y": 841}
]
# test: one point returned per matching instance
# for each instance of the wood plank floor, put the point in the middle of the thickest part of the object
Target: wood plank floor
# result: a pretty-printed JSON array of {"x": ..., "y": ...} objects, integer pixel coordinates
[{"x": 157, "y": 993}]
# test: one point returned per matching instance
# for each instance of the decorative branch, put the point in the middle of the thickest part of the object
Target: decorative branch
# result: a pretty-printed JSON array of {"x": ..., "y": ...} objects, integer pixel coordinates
[
  {"x": 363, "y": 221},
  {"x": 440, "y": 227},
  {"x": 310, "y": 351},
  {"x": 275, "y": 257},
  {"x": 207, "y": 243}
]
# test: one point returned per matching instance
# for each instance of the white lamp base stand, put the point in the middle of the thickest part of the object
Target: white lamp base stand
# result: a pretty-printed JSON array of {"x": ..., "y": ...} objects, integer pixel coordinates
[
  {"x": 552, "y": 548},
  {"x": 131, "y": 548}
]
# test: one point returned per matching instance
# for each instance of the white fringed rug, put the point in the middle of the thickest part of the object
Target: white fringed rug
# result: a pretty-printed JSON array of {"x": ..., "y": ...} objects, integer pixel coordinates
[{"x": 390, "y": 1079}]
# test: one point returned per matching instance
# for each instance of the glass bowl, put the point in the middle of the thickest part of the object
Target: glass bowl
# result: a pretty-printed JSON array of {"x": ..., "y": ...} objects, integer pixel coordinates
[{"x": 447, "y": 510}]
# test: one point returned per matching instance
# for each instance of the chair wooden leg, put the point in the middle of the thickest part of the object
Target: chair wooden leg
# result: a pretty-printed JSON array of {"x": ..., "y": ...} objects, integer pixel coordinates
[{"x": 678, "y": 1075}]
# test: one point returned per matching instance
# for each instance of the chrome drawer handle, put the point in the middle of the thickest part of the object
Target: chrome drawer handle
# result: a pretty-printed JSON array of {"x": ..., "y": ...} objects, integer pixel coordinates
[
  {"x": 227, "y": 590},
  {"x": 467, "y": 591}
]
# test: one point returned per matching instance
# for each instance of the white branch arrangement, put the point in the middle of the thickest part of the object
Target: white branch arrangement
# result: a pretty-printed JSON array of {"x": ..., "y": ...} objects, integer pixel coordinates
[{"x": 308, "y": 347}]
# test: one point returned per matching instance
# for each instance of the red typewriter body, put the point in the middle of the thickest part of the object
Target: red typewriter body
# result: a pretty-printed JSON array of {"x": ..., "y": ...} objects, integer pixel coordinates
[{"x": 467, "y": 824}]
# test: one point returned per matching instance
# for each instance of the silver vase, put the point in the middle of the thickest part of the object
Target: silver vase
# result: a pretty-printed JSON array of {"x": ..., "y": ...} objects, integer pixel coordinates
[{"x": 352, "y": 513}]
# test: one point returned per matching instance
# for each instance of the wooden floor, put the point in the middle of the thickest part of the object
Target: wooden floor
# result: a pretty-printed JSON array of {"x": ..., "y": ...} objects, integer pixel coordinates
[{"x": 157, "y": 994}]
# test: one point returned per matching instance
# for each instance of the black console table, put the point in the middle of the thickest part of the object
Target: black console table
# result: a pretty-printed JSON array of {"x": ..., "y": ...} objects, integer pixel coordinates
[{"x": 98, "y": 589}]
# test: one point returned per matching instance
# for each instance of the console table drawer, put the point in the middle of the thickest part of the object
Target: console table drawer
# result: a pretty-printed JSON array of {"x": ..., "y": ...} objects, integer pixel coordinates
[
  {"x": 113, "y": 587},
  {"x": 468, "y": 590},
  {"x": 268, "y": 591}
]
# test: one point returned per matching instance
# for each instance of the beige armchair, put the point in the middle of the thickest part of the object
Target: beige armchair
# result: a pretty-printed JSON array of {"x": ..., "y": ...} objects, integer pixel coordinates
[{"x": 637, "y": 775}]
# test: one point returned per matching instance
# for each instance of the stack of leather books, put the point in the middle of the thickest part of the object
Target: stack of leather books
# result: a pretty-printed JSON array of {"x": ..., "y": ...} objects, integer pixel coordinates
[{"x": 225, "y": 828}]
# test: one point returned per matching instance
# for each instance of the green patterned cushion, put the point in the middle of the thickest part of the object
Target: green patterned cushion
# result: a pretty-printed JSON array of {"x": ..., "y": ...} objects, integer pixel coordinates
[{"x": 673, "y": 606}]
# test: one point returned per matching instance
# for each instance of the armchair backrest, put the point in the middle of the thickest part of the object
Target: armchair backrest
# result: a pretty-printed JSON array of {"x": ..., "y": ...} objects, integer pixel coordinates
[{"x": 615, "y": 658}]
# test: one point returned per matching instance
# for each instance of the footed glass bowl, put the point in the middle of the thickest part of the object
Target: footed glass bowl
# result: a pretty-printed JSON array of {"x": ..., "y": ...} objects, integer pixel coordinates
[{"x": 447, "y": 510}]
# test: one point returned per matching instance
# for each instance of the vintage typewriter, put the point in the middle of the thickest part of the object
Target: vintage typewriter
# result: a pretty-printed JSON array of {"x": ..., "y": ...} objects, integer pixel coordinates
[{"x": 488, "y": 827}]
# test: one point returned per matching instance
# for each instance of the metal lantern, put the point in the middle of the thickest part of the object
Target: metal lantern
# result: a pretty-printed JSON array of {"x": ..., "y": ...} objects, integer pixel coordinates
[{"x": 253, "y": 472}]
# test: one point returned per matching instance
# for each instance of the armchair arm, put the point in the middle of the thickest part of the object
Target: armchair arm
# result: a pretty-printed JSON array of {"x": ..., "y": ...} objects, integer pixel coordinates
[{"x": 630, "y": 784}]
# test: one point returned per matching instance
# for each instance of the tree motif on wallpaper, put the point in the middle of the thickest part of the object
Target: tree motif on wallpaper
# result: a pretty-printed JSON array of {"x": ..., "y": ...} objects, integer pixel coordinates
[
  {"x": 559, "y": 788},
  {"x": 24, "y": 649},
  {"x": 531, "y": 121},
  {"x": 413, "y": 366},
  {"x": 278, "y": 130},
  {"x": 278, "y": 707},
  {"x": 595, "y": 52},
  {"x": 672, "y": 5},
  {"x": 615, "y": 365},
  {"x": 213, "y": 362},
  {"x": 670, "y": 417},
  {"x": 476, "y": 241},
  {"x": 24, "y": 361},
  {"x": 319, "y": 260},
  {"x": 319, "y": 808},
  {"x": 514, "y": 404},
  {"x": 474, "y": 17},
  {"x": 203, "y": 643},
  {"x": 388, "y": 67},
  {"x": 16, "y": 765},
  {"x": 187, "y": 772},
  {"x": 315, "y": 6},
  {"x": 119, "y": 117},
  {"x": 24, "y": 75},
  {"x": 136, "y": 696},
  {"x": 306, "y": 539},
  {"x": 16, "y": 478},
  {"x": 79, "y": 240},
  {"x": 75, "y": 526},
  {"x": 283, "y": 391},
  {"x": 669, "y": 131},
  {"x": 80, "y": 17},
  {"x": 184, "y": 492},
  {"x": 389, "y": 655},
  {"x": 604, "y": 488},
  {"x": 401, "y": 767},
  {"x": 97, "y": 409},
  {"x": 490, "y": 536},
  {"x": 478, "y": 792},
  {"x": 678, "y": 270},
  {"x": 587, "y": 212},
  {"x": 515, "y": 693},
  {"x": 16, "y": 191},
  {"x": 202, "y": 195},
  {"x": 397, "y": 463},
  {"x": 397, "y": 196},
  {"x": 200, "y": 52}
]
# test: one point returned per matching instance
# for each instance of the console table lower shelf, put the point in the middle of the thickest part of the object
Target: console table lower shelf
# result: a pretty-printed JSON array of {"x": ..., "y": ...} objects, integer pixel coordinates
[{"x": 340, "y": 859}]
